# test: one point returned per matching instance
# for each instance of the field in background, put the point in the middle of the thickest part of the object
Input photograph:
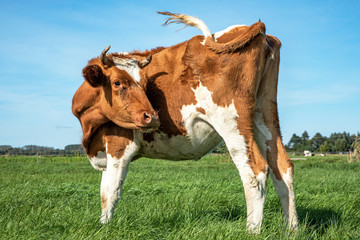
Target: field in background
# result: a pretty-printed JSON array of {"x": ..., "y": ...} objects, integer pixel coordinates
[{"x": 58, "y": 198}]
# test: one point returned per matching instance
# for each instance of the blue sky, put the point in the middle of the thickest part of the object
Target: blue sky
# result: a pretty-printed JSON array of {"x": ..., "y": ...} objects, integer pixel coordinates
[{"x": 45, "y": 44}]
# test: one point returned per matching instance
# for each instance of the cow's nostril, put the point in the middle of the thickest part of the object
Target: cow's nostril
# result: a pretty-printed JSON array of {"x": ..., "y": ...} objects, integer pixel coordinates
[{"x": 147, "y": 118}]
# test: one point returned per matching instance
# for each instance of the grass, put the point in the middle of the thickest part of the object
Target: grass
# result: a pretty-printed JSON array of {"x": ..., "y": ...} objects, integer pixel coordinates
[{"x": 58, "y": 198}]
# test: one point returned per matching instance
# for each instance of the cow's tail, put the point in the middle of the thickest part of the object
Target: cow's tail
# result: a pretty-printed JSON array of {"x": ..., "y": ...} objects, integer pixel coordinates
[
  {"x": 187, "y": 20},
  {"x": 231, "y": 46}
]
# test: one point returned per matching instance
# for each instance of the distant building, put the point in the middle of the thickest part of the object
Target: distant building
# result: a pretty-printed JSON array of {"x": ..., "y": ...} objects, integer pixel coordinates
[{"x": 308, "y": 153}]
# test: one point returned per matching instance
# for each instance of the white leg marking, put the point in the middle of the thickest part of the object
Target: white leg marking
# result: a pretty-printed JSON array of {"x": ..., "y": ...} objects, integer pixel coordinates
[
  {"x": 254, "y": 187},
  {"x": 113, "y": 179},
  {"x": 285, "y": 190},
  {"x": 255, "y": 200}
]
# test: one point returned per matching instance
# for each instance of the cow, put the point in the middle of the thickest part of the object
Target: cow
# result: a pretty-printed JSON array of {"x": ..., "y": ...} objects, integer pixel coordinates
[{"x": 214, "y": 87}]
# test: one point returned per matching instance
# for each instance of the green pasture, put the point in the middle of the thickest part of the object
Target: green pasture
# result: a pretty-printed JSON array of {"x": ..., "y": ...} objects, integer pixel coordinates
[{"x": 58, "y": 198}]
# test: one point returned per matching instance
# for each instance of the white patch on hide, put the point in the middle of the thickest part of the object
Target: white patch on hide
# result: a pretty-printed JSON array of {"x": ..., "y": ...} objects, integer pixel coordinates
[
  {"x": 222, "y": 32},
  {"x": 131, "y": 66},
  {"x": 228, "y": 29},
  {"x": 200, "y": 139}
]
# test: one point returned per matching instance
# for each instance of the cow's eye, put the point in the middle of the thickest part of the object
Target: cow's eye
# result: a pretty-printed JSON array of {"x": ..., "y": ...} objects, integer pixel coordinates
[{"x": 117, "y": 84}]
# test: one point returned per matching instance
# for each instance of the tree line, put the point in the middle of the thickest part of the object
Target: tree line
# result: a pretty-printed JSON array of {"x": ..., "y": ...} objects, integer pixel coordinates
[
  {"x": 69, "y": 150},
  {"x": 337, "y": 142}
]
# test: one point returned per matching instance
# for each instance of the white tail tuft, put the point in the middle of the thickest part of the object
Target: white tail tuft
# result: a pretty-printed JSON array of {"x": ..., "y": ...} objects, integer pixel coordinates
[{"x": 187, "y": 20}]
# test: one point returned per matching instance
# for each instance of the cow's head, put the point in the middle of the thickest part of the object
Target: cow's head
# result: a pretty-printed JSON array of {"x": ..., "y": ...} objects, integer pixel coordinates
[{"x": 122, "y": 100}]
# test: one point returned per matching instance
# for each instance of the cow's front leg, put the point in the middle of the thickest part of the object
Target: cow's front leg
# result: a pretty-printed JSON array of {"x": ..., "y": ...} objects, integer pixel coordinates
[{"x": 120, "y": 149}]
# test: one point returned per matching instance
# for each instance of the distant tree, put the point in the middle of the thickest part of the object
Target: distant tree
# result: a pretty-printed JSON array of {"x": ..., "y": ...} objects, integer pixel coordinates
[
  {"x": 325, "y": 147},
  {"x": 305, "y": 142},
  {"x": 337, "y": 142},
  {"x": 317, "y": 141},
  {"x": 341, "y": 142},
  {"x": 305, "y": 136},
  {"x": 4, "y": 149},
  {"x": 295, "y": 140},
  {"x": 340, "y": 145},
  {"x": 74, "y": 149},
  {"x": 16, "y": 151}
]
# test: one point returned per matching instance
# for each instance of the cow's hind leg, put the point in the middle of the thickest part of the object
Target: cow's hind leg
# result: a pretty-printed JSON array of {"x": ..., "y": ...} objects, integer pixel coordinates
[
  {"x": 282, "y": 174},
  {"x": 268, "y": 137},
  {"x": 238, "y": 137},
  {"x": 253, "y": 171},
  {"x": 281, "y": 167},
  {"x": 120, "y": 148}
]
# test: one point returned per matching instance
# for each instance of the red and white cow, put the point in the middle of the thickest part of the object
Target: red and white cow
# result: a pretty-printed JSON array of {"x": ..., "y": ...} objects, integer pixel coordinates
[{"x": 209, "y": 88}]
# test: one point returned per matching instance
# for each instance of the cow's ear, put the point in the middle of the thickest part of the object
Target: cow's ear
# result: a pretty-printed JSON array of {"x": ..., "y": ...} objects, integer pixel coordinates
[{"x": 94, "y": 75}]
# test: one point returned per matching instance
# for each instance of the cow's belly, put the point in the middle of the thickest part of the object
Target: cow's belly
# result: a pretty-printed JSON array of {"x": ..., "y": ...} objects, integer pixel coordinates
[{"x": 200, "y": 139}]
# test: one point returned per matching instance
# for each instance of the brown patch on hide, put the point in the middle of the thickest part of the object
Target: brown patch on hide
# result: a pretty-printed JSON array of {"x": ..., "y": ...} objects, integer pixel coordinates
[
  {"x": 232, "y": 34},
  {"x": 96, "y": 142},
  {"x": 232, "y": 78},
  {"x": 136, "y": 54},
  {"x": 284, "y": 161},
  {"x": 201, "y": 110},
  {"x": 278, "y": 159},
  {"x": 256, "y": 161},
  {"x": 117, "y": 139},
  {"x": 169, "y": 82},
  {"x": 243, "y": 36},
  {"x": 147, "y": 52}
]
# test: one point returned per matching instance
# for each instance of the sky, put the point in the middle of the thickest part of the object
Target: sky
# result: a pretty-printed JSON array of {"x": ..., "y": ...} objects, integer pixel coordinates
[{"x": 44, "y": 45}]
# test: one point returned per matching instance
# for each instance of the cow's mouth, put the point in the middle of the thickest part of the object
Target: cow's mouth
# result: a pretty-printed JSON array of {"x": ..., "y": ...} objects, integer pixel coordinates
[{"x": 148, "y": 129}]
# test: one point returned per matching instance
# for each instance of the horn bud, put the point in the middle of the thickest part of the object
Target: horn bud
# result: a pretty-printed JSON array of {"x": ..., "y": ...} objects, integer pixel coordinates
[
  {"x": 145, "y": 62},
  {"x": 103, "y": 58}
]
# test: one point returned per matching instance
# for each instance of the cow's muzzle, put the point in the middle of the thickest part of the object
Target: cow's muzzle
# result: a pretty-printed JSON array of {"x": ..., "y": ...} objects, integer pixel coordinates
[{"x": 150, "y": 121}]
